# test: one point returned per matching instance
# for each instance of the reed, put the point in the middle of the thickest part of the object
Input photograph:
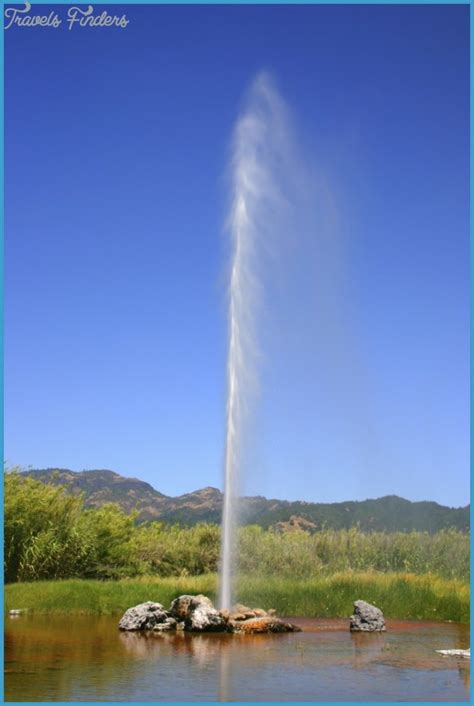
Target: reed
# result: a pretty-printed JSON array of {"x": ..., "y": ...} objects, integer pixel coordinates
[{"x": 399, "y": 595}]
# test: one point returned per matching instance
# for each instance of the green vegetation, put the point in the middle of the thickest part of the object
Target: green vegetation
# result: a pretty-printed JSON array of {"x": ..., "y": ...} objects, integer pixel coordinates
[
  {"x": 56, "y": 549},
  {"x": 401, "y": 596},
  {"x": 50, "y": 535},
  {"x": 305, "y": 555}
]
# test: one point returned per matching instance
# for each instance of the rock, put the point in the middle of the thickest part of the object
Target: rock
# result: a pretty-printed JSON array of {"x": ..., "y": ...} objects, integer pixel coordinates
[
  {"x": 240, "y": 616},
  {"x": 198, "y": 613},
  {"x": 367, "y": 618},
  {"x": 204, "y": 618},
  {"x": 180, "y": 606},
  {"x": 260, "y": 613},
  {"x": 144, "y": 616},
  {"x": 225, "y": 614},
  {"x": 262, "y": 625},
  {"x": 456, "y": 653},
  {"x": 169, "y": 624}
]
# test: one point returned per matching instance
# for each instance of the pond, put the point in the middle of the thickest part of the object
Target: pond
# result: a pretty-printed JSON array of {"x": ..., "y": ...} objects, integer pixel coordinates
[{"x": 84, "y": 658}]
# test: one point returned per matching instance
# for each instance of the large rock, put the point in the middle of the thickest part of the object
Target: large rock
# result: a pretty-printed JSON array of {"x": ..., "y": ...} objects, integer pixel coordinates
[
  {"x": 367, "y": 618},
  {"x": 198, "y": 613},
  {"x": 262, "y": 625},
  {"x": 203, "y": 618},
  {"x": 146, "y": 616},
  {"x": 180, "y": 607}
]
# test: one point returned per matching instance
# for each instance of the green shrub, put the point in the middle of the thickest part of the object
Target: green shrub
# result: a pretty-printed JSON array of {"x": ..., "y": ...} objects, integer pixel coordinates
[{"x": 42, "y": 534}]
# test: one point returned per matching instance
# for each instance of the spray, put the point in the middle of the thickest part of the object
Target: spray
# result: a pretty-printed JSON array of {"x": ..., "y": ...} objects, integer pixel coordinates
[{"x": 258, "y": 152}]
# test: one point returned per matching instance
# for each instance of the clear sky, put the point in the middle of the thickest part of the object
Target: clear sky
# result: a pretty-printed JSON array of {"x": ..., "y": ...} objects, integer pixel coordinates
[{"x": 117, "y": 142}]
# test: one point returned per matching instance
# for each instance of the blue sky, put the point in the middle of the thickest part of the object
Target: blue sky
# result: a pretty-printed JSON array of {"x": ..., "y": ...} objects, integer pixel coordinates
[{"x": 117, "y": 142}]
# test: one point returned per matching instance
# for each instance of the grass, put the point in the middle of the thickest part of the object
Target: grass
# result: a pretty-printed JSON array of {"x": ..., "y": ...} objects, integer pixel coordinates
[{"x": 399, "y": 595}]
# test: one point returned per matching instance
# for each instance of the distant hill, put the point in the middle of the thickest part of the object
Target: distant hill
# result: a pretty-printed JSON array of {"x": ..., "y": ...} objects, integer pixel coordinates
[{"x": 389, "y": 513}]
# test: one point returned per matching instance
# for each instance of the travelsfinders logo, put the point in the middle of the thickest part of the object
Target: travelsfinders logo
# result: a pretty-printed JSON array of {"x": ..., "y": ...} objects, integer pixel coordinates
[{"x": 73, "y": 17}]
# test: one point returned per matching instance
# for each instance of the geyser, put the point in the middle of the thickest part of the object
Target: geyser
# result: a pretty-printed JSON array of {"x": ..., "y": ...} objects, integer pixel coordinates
[{"x": 259, "y": 166}]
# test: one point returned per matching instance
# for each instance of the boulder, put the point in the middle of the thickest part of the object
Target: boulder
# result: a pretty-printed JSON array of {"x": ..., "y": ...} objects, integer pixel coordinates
[
  {"x": 204, "y": 618},
  {"x": 266, "y": 624},
  {"x": 198, "y": 614},
  {"x": 145, "y": 616},
  {"x": 181, "y": 606},
  {"x": 367, "y": 618}
]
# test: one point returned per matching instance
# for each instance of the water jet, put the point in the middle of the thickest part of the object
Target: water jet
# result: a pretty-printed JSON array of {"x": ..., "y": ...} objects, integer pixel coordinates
[{"x": 259, "y": 146}]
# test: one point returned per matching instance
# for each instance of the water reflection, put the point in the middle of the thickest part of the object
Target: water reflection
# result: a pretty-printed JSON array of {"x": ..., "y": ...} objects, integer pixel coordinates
[
  {"x": 88, "y": 659},
  {"x": 202, "y": 648},
  {"x": 367, "y": 646},
  {"x": 224, "y": 676}
]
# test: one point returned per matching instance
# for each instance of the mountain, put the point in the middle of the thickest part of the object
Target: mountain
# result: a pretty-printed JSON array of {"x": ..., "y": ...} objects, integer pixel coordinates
[{"x": 389, "y": 513}]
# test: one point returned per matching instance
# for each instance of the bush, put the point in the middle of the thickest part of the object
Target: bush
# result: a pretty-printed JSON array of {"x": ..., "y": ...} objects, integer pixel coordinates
[{"x": 43, "y": 538}]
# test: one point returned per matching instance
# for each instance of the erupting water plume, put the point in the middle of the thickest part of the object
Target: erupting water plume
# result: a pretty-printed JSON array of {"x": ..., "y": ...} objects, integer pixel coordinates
[
  {"x": 289, "y": 302},
  {"x": 260, "y": 155}
]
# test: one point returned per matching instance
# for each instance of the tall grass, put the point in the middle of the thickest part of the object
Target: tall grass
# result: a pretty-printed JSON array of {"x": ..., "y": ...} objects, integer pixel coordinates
[
  {"x": 399, "y": 595},
  {"x": 90, "y": 596},
  {"x": 301, "y": 554}
]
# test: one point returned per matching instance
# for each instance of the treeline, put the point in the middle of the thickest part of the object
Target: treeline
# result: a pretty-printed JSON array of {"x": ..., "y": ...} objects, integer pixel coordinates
[{"x": 50, "y": 535}]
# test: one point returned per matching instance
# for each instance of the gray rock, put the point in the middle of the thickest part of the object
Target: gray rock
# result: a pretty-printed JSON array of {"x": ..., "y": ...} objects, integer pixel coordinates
[
  {"x": 166, "y": 626},
  {"x": 180, "y": 607},
  {"x": 204, "y": 618},
  {"x": 367, "y": 618},
  {"x": 198, "y": 613},
  {"x": 145, "y": 616}
]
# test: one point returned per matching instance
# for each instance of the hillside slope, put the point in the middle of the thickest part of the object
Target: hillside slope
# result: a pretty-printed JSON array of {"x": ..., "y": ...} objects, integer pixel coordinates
[{"x": 390, "y": 513}]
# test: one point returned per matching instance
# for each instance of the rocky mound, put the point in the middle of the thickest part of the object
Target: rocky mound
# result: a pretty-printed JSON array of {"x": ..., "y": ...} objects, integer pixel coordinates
[{"x": 198, "y": 614}]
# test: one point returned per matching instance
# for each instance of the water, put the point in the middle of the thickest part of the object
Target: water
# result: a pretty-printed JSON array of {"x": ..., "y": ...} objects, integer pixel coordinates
[
  {"x": 82, "y": 658},
  {"x": 260, "y": 154}
]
